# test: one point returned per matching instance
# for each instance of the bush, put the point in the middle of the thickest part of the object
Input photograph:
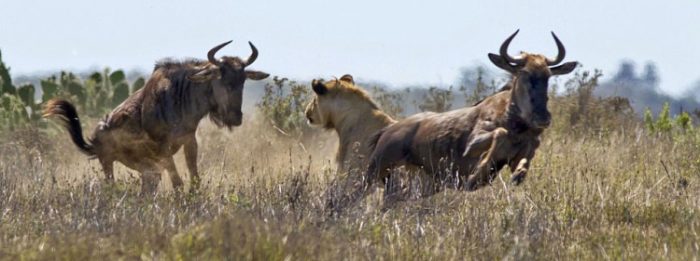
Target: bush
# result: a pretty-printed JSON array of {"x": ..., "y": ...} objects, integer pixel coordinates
[
  {"x": 578, "y": 111},
  {"x": 436, "y": 100},
  {"x": 283, "y": 105}
]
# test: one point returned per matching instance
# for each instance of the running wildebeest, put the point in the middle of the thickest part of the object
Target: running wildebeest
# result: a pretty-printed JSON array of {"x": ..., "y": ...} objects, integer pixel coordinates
[
  {"x": 474, "y": 143},
  {"x": 152, "y": 124}
]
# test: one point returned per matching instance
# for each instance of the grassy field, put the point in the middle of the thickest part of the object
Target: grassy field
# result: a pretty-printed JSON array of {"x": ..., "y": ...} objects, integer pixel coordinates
[{"x": 619, "y": 193}]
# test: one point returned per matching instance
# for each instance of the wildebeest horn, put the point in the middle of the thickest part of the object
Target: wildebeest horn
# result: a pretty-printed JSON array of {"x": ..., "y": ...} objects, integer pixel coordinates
[
  {"x": 504, "y": 50},
  {"x": 253, "y": 56},
  {"x": 560, "y": 55},
  {"x": 212, "y": 53}
]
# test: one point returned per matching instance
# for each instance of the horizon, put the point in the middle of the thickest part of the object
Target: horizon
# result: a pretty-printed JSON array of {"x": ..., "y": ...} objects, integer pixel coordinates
[{"x": 395, "y": 43}]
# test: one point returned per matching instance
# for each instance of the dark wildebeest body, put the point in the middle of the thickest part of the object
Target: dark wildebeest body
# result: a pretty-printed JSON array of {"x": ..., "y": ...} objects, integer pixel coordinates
[
  {"x": 450, "y": 143},
  {"x": 473, "y": 144},
  {"x": 149, "y": 127}
]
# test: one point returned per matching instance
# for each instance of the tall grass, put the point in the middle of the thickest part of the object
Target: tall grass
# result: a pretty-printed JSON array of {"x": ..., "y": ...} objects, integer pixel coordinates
[{"x": 600, "y": 187}]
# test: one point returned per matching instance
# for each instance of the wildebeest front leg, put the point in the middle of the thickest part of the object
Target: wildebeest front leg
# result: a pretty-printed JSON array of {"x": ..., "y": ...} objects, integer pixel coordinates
[
  {"x": 483, "y": 170},
  {"x": 479, "y": 144},
  {"x": 520, "y": 167},
  {"x": 191, "y": 159},
  {"x": 519, "y": 170},
  {"x": 169, "y": 165}
]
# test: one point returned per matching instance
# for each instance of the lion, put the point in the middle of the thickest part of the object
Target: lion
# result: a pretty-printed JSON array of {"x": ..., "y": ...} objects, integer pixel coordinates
[{"x": 342, "y": 106}]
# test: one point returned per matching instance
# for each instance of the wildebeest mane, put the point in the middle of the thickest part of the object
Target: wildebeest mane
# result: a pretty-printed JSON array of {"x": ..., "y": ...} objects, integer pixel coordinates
[{"x": 190, "y": 65}]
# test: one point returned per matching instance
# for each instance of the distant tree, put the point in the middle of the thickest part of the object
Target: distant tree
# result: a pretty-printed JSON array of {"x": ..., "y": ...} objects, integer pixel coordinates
[
  {"x": 391, "y": 102},
  {"x": 626, "y": 72},
  {"x": 437, "y": 100},
  {"x": 476, "y": 83},
  {"x": 650, "y": 74}
]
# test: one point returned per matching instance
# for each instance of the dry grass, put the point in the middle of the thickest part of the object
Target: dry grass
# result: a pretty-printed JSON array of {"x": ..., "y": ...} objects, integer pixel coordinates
[{"x": 622, "y": 195}]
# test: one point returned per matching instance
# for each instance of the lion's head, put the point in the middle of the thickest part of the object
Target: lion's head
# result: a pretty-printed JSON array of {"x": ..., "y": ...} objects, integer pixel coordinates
[{"x": 335, "y": 100}]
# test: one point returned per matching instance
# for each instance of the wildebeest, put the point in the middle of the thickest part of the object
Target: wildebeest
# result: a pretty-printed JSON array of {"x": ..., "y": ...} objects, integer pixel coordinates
[
  {"x": 472, "y": 144},
  {"x": 152, "y": 124}
]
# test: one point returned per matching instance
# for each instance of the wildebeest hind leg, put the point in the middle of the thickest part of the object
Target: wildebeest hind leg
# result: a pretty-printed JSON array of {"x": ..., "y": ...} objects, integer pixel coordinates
[
  {"x": 169, "y": 165},
  {"x": 346, "y": 200},
  {"x": 108, "y": 168},
  {"x": 150, "y": 177},
  {"x": 486, "y": 165},
  {"x": 191, "y": 158}
]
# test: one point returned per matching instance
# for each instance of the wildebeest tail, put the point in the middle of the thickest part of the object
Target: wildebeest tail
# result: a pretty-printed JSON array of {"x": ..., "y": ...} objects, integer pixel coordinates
[{"x": 68, "y": 116}]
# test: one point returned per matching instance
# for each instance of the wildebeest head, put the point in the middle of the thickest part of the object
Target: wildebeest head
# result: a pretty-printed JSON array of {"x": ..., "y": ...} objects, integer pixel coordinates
[
  {"x": 227, "y": 76},
  {"x": 531, "y": 74},
  {"x": 336, "y": 99}
]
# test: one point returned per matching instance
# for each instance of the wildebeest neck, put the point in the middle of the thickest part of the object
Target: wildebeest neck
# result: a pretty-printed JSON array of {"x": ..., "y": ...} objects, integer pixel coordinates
[
  {"x": 515, "y": 124},
  {"x": 174, "y": 104}
]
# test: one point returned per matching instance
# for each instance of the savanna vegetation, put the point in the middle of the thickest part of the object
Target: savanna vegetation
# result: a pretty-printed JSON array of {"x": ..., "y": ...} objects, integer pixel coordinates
[{"x": 605, "y": 184}]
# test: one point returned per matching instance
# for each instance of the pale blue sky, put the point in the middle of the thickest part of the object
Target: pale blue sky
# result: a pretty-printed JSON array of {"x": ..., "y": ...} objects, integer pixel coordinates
[{"x": 396, "y": 42}]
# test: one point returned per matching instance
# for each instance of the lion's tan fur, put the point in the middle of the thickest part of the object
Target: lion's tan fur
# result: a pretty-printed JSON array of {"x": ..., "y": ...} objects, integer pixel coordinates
[{"x": 349, "y": 110}]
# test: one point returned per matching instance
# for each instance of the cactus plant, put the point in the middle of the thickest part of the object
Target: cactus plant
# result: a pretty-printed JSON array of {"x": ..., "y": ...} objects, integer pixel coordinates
[
  {"x": 71, "y": 84},
  {"x": 120, "y": 93},
  {"x": 95, "y": 95},
  {"x": 26, "y": 94},
  {"x": 116, "y": 77},
  {"x": 49, "y": 88},
  {"x": 12, "y": 111},
  {"x": 5, "y": 79},
  {"x": 138, "y": 84}
]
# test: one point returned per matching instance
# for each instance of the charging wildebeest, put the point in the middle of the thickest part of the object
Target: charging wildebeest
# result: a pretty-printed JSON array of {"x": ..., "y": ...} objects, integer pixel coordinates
[
  {"x": 474, "y": 143},
  {"x": 152, "y": 124}
]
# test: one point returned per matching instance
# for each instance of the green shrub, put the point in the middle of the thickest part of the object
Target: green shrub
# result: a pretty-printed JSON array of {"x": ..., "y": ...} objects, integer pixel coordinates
[{"x": 283, "y": 105}]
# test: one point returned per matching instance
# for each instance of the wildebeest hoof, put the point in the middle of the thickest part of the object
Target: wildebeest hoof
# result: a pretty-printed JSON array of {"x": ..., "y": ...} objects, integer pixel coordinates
[
  {"x": 471, "y": 184},
  {"x": 518, "y": 178}
]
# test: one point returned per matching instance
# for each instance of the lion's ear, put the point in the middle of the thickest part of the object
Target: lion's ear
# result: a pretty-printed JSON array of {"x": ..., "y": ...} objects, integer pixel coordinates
[
  {"x": 318, "y": 87},
  {"x": 347, "y": 78}
]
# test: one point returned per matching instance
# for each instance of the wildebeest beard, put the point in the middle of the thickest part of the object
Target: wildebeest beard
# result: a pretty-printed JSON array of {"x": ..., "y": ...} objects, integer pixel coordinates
[{"x": 226, "y": 117}]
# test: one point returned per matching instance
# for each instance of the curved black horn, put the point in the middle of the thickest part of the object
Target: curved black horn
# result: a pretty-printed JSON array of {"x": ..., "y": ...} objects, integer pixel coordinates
[
  {"x": 504, "y": 50},
  {"x": 212, "y": 53},
  {"x": 560, "y": 54},
  {"x": 252, "y": 56}
]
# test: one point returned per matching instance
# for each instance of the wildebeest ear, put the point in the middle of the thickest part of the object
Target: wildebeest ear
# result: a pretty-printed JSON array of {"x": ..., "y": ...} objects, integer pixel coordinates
[
  {"x": 318, "y": 87},
  {"x": 500, "y": 62},
  {"x": 206, "y": 74},
  {"x": 347, "y": 78},
  {"x": 256, "y": 75},
  {"x": 564, "y": 68}
]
